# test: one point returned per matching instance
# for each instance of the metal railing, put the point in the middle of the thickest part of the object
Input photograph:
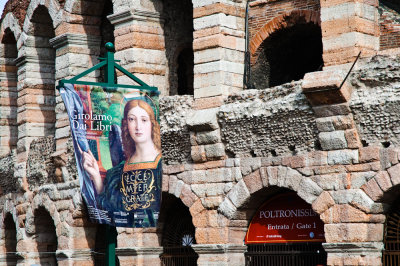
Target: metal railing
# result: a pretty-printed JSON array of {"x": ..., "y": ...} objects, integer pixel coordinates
[
  {"x": 179, "y": 256},
  {"x": 306, "y": 254},
  {"x": 391, "y": 254}
]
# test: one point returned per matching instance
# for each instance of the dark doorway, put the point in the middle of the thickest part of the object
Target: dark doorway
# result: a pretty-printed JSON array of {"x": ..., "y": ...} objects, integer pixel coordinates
[
  {"x": 10, "y": 239},
  {"x": 178, "y": 236},
  {"x": 287, "y": 55},
  {"x": 99, "y": 253},
  {"x": 178, "y": 35},
  {"x": 391, "y": 253},
  {"x": 46, "y": 237}
]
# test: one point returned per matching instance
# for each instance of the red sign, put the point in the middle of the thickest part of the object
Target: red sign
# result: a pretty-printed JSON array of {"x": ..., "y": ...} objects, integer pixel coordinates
[{"x": 283, "y": 219}]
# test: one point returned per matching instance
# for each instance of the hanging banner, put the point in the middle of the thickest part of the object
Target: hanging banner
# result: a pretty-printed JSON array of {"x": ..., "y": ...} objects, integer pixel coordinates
[
  {"x": 116, "y": 136},
  {"x": 283, "y": 219}
]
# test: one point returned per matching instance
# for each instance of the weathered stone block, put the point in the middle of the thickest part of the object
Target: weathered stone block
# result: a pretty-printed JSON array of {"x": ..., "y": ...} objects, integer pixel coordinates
[
  {"x": 342, "y": 157},
  {"x": 203, "y": 120},
  {"x": 210, "y": 137},
  {"x": 227, "y": 208},
  {"x": 332, "y": 140},
  {"x": 253, "y": 182},
  {"x": 309, "y": 190},
  {"x": 332, "y": 110},
  {"x": 353, "y": 232},
  {"x": 360, "y": 178},
  {"x": 326, "y": 87},
  {"x": 373, "y": 190},
  {"x": 394, "y": 173},
  {"x": 331, "y": 181},
  {"x": 369, "y": 154},
  {"x": 239, "y": 194},
  {"x": 198, "y": 154},
  {"x": 325, "y": 124},
  {"x": 214, "y": 151},
  {"x": 383, "y": 180},
  {"x": 323, "y": 202}
]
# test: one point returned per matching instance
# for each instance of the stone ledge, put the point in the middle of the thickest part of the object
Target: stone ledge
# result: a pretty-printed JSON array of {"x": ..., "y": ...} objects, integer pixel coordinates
[
  {"x": 354, "y": 247},
  {"x": 74, "y": 39},
  {"x": 134, "y": 251},
  {"x": 326, "y": 87},
  {"x": 218, "y": 248}
]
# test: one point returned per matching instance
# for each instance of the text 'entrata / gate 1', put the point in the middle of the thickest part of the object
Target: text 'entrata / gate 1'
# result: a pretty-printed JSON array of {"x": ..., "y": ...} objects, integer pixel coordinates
[{"x": 284, "y": 219}]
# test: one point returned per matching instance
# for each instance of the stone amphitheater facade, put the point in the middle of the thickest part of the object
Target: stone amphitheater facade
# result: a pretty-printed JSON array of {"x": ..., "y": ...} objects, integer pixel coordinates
[{"x": 228, "y": 145}]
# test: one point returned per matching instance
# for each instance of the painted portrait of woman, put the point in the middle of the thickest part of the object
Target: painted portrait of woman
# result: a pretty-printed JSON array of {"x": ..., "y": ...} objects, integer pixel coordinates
[{"x": 134, "y": 185}]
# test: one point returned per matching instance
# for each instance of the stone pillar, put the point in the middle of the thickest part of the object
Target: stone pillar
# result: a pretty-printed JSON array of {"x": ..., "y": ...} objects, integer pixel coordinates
[
  {"x": 349, "y": 27},
  {"x": 139, "y": 256},
  {"x": 75, "y": 53},
  {"x": 218, "y": 45},
  {"x": 220, "y": 254},
  {"x": 139, "y": 44},
  {"x": 36, "y": 100},
  {"x": 8, "y": 102},
  {"x": 354, "y": 253}
]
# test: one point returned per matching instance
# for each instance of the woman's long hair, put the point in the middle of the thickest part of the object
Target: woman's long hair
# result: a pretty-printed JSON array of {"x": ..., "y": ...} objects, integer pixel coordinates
[{"x": 127, "y": 141}]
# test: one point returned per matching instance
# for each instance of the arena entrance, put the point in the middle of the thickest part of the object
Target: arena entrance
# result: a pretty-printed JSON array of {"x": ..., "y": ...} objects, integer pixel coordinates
[
  {"x": 391, "y": 253},
  {"x": 178, "y": 234},
  {"x": 285, "y": 231}
]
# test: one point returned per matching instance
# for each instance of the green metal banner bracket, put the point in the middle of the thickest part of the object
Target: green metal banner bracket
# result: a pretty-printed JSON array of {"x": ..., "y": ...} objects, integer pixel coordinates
[{"x": 110, "y": 65}]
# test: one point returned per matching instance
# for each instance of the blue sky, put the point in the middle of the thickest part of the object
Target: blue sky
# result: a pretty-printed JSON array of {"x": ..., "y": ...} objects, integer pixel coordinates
[{"x": 2, "y": 3}]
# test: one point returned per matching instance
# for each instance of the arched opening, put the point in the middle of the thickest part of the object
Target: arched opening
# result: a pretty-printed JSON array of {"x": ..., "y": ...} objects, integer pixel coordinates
[
  {"x": 389, "y": 22},
  {"x": 285, "y": 231},
  {"x": 10, "y": 239},
  {"x": 178, "y": 233},
  {"x": 185, "y": 71},
  {"x": 45, "y": 236},
  {"x": 287, "y": 54},
  {"x": 40, "y": 73},
  {"x": 391, "y": 252},
  {"x": 8, "y": 79},
  {"x": 99, "y": 254},
  {"x": 178, "y": 34},
  {"x": 107, "y": 33}
]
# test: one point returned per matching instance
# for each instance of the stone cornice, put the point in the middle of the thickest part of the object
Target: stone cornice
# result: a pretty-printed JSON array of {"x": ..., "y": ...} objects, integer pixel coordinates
[
  {"x": 32, "y": 59},
  {"x": 127, "y": 16},
  {"x": 353, "y": 247},
  {"x": 134, "y": 251},
  {"x": 219, "y": 248},
  {"x": 74, "y": 39}
]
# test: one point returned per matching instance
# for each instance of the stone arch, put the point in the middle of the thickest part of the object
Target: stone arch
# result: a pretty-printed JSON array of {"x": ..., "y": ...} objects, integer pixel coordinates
[
  {"x": 384, "y": 186},
  {"x": 9, "y": 210},
  {"x": 181, "y": 190},
  {"x": 53, "y": 7},
  {"x": 9, "y": 34},
  {"x": 267, "y": 177},
  {"x": 282, "y": 21},
  {"x": 12, "y": 23},
  {"x": 178, "y": 231},
  {"x": 62, "y": 228}
]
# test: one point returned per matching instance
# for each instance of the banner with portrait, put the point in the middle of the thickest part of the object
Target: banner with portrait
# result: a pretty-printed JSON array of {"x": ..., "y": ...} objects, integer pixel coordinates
[{"x": 116, "y": 137}]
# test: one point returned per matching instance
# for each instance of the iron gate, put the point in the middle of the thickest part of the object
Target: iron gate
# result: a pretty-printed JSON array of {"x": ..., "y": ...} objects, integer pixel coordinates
[
  {"x": 179, "y": 256},
  {"x": 288, "y": 254},
  {"x": 391, "y": 253}
]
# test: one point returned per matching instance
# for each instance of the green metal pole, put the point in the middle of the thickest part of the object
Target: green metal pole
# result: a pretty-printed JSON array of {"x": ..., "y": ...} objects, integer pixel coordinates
[{"x": 111, "y": 232}]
